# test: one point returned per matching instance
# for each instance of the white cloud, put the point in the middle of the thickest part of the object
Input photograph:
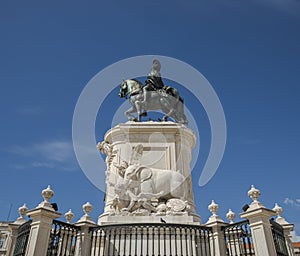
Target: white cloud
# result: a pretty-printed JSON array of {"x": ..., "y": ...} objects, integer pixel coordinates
[
  {"x": 52, "y": 154},
  {"x": 292, "y": 202},
  {"x": 295, "y": 237},
  {"x": 59, "y": 151}
]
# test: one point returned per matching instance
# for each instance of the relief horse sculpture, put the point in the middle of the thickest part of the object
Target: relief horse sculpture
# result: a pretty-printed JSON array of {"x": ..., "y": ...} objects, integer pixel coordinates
[{"x": 166, "y": 99}]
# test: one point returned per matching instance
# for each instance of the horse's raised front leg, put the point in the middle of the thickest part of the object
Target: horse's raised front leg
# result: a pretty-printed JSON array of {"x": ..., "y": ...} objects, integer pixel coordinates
[{"x": 129, "y": 115}]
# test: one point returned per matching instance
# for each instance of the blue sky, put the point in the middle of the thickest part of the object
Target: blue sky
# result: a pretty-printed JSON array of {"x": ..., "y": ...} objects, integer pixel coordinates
[{"x": 248, "y": 50}]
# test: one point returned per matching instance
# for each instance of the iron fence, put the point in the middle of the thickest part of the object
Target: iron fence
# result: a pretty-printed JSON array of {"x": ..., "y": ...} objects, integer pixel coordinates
[
  {"x": 63, "y": 239},
  {"x": 279, "y": 239},
  {"x": 22, "y": 239},
  {"x": 153, "y": 239},
  {"x": 238, "y": 239}
]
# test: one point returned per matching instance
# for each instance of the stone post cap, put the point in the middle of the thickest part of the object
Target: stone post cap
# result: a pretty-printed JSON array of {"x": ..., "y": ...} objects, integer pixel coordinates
[
  {"x": 43, "y": 212},
  {"x": 280, "y": 220},
  {"x": 213, "y": 208},
  {"x": 257, "y": 211},
  {"x": 87, "y": 208},
  {"x": 278, "y": 209},
  {"x": 230, "y": 216},
  {"x": 254, "y": 194},
  {"x": 47, "y": 194},
  {"x": 69, "y": 216},
  {"x": 22, "y": 211}
]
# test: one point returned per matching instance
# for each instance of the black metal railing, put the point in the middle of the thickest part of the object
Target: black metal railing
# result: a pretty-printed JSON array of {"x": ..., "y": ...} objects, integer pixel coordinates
[
  {"x": 63, "y": 239},
  {"x": 238, "y": 239},
  {"x": 279, "y": 239},
  {"x": 155, "y": 239},
  {"x": 22, "y": 239}
]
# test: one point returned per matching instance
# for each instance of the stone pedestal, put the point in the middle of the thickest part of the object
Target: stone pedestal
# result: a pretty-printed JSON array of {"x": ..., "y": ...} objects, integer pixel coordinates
[
  {"x": 287, "y": 229},
  {"x": 217, "y": 242},
  {"x": 13, "y": 227},
  {"x": 166, "y": 147},
  {"x": 84, "y": 247},
  {"x": 42, "y": 218},
  {"x": 260, "y": 226}
]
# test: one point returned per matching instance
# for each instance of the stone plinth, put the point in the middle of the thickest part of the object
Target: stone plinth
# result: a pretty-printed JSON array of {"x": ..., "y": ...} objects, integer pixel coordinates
[
  {"x": 159, "y": 153},
  {"x": 149, "y": 219},
  {"x": 42, "y": 219}
]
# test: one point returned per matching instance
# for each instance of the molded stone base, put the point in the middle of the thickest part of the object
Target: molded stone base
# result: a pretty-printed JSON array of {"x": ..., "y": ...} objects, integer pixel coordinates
[{"x": 185, "y": 219}]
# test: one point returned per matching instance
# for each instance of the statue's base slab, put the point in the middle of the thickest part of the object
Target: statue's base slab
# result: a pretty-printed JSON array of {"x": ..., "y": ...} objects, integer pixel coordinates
[{"x": 115, "y": 219}]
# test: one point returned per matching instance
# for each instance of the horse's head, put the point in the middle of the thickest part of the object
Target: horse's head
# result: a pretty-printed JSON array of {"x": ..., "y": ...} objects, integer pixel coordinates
[
  {"x": 123, "y": 89},
  {"x": 128, "y": 87}
]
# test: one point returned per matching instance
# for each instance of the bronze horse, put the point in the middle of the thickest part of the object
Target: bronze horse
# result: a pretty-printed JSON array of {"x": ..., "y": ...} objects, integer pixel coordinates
[{"x": 167, "y": 100}]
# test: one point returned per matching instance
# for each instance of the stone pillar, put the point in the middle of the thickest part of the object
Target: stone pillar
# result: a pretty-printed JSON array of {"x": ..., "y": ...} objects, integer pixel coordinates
[
  {"x": 14, "y": 234},
  {"x": 85, "y": 222},
  {"x": 287, "y": 229},
  {"x": 216, "y": 223},
  {"x": 14, "y": 227},
  {"x": 42, "y": 218},
  {"x": 259, "y": 219}
]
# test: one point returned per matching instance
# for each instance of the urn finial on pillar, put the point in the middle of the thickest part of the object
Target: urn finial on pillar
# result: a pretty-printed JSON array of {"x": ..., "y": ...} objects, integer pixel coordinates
[
  {"x": 69, "y": 216},
  {"x": 281, "y": 220},
  {"x": 254, "y": 194},
  {"x": 214, "y": 208},
  {"x": 87, "y": 208},
  {"x": 230, "y": 216},
  {"x": 22, "y": 211},
  {"x": 47, "y": 194},
  {"x": 278, "y": 210}
]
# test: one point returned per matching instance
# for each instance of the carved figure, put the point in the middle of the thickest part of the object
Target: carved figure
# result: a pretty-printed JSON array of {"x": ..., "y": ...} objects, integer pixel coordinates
[
  {"x": 105, "y": 148},
  {"x": 150, "y": 180},
  {"x": 141, "y": 190},
  {"x": 121, "y": 168},
  {"x": 125, "y": 199}
]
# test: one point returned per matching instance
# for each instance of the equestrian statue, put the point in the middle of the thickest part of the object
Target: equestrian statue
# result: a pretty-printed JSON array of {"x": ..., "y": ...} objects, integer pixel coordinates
[{"x": 154, "y": 95}]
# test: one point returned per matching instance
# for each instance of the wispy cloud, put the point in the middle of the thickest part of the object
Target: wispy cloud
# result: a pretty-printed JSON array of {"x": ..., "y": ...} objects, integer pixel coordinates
[
  {"x": 287, "y": 6},
  {"x": 292, "y": 202},
  {"x": 29, "y": 110},
  {"x": 54, "y": 154}
]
